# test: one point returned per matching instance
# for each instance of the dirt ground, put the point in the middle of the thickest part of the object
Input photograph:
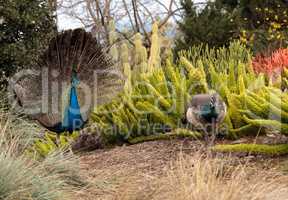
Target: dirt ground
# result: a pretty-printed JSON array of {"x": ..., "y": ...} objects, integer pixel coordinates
[{"x": 112, "y": 171}]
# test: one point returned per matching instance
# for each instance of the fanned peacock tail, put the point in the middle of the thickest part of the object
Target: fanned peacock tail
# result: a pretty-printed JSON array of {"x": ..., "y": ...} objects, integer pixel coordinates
[{"x": 72, "y": 76}]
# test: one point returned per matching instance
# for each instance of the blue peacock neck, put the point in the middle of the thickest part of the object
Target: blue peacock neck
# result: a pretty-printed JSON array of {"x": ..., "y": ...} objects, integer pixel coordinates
[
  {"x": 72, "y": 116},
  {"x": 209, "y": 113}
]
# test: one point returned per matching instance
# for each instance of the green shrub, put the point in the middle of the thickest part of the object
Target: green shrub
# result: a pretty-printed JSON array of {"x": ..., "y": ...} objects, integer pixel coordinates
[
  {"x": 253, "y": 103},
  {"x": 161, "y": 97},
  {"x": 157, "y": 103},
  {"x": 25, "y": 28},
  {"x": 177, "y": 133},
  {"x": 154, "y": 101},
  {"x": 280, "y": 149},
  {"x": 51, "y": 142}
]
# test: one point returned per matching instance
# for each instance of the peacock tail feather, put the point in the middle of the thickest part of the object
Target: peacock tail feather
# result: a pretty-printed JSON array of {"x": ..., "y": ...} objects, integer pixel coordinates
[{"x": 72, "y": 77}]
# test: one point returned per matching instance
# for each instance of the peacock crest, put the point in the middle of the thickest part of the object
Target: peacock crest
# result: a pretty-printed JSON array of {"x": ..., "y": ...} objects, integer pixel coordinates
[{"x": 72, "y": 77}]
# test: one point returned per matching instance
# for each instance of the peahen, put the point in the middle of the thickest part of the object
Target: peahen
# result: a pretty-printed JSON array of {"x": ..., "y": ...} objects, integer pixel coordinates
[
  {"x": 72, "y": 76},
  {"x": 207, "y": 112}
]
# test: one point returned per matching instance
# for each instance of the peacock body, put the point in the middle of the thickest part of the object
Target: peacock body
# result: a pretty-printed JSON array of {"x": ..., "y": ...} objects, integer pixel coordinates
[
  {"x": 206, "y": 110},
  {"x": 72, "y": 77}
]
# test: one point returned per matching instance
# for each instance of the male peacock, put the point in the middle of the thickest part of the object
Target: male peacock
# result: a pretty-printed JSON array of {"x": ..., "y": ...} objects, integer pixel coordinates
[
  {"x": 206, "y": 111},
  {"x": 72, "y": 76}
]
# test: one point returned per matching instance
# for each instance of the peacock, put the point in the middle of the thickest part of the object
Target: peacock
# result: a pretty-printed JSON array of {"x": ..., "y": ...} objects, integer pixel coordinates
[
  {"x": 206, "y": 111},
  {"x": 71, "y": 77}
]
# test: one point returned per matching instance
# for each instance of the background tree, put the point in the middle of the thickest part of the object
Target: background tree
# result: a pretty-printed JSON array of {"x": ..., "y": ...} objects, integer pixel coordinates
[
  {"x": 261, "y": 25},
  {"x": 211, "y": 25},
  {"x": 264, "y": 24},
  {"x": 25, "y": 28},
  {"x": 130, "y": 17}
]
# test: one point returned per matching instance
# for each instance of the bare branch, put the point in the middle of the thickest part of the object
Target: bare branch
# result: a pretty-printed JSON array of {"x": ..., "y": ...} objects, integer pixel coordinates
[
  {"x": 128, "y": 38},
  {"x": 128, "y": 13},
  {"x": 135, "y": 15},
  {"x": 143, "y": 28},
  {"x": 148, "y": 11}
]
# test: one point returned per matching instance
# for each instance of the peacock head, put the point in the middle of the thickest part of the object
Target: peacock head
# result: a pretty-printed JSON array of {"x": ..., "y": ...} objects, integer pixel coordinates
[
  {"x": 74, "y": 80},
  {"x": 206, "y": 109},
  {"x": 216, "y": 104},
  {"x": 213, "y": 101}
]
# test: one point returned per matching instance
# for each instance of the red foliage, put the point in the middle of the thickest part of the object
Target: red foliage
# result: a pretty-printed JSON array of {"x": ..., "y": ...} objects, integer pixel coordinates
[{"x": 271, "y": 65}]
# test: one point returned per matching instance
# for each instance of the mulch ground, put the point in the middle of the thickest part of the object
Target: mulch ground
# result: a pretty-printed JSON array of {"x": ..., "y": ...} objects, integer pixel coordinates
[{"x": 113, "y": 170}]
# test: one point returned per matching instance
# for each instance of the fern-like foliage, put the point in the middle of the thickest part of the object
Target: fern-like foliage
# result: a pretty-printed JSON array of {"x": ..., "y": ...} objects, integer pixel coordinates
[
  {"x": 280, "y": 149},
  {"x": 156, "y": 95},
  {"x": 156, "y": 104},
  {"x": 161, "y": 96},
  {"x": 51, "y": 142}
]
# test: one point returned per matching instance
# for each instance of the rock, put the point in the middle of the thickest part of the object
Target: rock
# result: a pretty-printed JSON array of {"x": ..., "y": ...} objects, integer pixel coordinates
[
  {"x": 240, "y": 141},
  {"x": 275, "y": 138},
  {"x": 87, "y": 142}
]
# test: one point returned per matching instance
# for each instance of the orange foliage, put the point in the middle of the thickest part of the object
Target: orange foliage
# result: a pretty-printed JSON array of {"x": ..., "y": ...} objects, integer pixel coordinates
[{"x": 271, "y": 65}]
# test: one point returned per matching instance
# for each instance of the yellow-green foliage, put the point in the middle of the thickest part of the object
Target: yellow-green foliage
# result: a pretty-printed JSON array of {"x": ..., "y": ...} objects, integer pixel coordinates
[
  {"x": 222, "y": 59},
  {"x": 284, "y": 80},
  {"x": 280, "y": 149},
  {"x": 263, "y": 109},
  {"x": 228, "y": 71},
  {"x": 225, "y": 68},
  {"x": 140, "y": 56},
  {"x": 154, "y": 59},
  {"x": 112, "y": 41},
  {"x": 156, "y": 93},
  {"x": 140, "y": 62},
  {"x": 51, "y": 142},
  {"x": 252, "y": 104},
  {"x": 160, "y": 96},
  {"x": 156, "y": 104},
  {"x": 177, "y": 133},
  {"x": 126, "y": 68}
]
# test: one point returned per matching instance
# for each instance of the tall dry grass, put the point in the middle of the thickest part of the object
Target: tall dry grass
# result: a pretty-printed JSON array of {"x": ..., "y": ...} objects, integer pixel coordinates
[
  {"x": 202, "y": 178},
  {"x": 22, "y": 178}
]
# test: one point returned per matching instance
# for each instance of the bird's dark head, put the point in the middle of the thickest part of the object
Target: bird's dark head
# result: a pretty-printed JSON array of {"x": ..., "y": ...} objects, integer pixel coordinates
[
  {"x": 74, "y": 75},
  {"x": 74, "y": 67},
  {"x": 210, "y": 111},
  {"x": 213, "y": 102}
]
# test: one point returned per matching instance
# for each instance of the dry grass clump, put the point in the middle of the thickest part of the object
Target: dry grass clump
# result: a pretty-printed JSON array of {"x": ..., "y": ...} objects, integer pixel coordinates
[
  {"x": 21, "y": 177},
  {"x": 200, "y": 178}
]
